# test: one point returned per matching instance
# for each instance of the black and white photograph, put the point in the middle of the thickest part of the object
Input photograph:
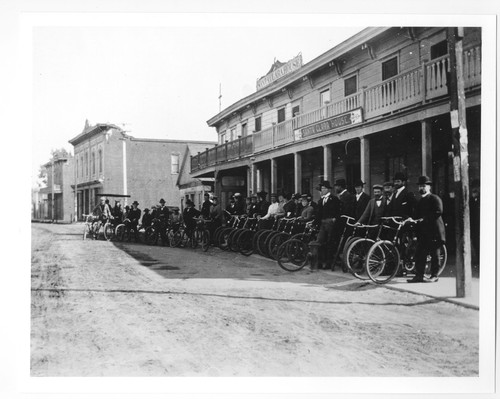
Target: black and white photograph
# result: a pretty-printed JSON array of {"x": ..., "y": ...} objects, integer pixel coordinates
[{"x": 298, "y": 198}]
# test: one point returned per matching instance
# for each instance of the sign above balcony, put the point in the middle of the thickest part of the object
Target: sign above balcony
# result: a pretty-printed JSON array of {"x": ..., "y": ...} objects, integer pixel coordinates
[
  {"x": 349, "y": 118},
  {"x": 279, "y": 70}
]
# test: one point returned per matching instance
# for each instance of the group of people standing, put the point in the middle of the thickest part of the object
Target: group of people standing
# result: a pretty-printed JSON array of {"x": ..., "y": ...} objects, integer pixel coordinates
[{"x": 390, "y": 199}]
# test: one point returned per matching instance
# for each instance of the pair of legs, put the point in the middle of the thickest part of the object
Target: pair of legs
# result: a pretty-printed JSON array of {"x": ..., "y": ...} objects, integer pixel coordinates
[{"x": 424, "y": 249}]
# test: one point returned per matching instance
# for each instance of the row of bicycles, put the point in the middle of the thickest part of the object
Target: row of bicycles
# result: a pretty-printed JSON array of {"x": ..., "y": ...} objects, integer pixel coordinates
[
  {"x": 168, "y": 233},
  {"x": 369, "y": 252},
  {"x": 377, "y": 253}
]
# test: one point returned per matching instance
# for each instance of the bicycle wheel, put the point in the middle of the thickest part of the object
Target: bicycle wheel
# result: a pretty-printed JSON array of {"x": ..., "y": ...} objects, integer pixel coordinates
[
  {"x": 255, "y": 240},
  {"x": 274, "y": 244},
  {"x": 87, "y": 233},
  {"x": 223, "y": 242},
  {"x": 245, "y": 242},
  {"x": 108, "y": 231},
  {"x": 293, "y": 255},
  {"x": 261, "y": 242},
  {"x": 233, "y": 240},
  {"x": 176, "y": 239},
  {"x": 442, "y": 257},
  {"x": 382, "y": 262},
  {"x": 205, "y": 240},
  {"x": 119, "y": 232},
  {"x": 356, "y": 256},
  {"x": 151, "y": 236}
]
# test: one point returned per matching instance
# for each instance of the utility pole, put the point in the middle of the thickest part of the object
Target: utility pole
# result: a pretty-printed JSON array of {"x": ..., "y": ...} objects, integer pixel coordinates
[
  {"x": 52, "y": 189},
  {"x": 220, "y": 96},
  {"x": 460, "y": 155}
]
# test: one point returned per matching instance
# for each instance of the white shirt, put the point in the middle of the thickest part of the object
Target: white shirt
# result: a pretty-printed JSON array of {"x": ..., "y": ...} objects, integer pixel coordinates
[
  {"x": 325, "y": 197},
  {"x": 399, "y": 190},
  {"x": 272, "y": 211},
  {"x": 358, "y": 196}
]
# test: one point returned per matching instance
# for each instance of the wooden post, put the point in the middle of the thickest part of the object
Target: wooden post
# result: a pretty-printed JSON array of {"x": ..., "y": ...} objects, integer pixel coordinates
[
  {"x": 297, "y": 156},
  {"x": 426, "y": 148},
  {"x": 460, "y": 164}
]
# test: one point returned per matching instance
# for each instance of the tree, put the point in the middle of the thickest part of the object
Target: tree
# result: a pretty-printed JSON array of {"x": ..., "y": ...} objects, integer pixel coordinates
[{"x": 55, "y": 154}]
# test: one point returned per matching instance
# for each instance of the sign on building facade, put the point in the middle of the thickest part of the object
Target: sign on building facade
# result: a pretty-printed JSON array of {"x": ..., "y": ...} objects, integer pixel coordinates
[{"x": 292, "y": 65}]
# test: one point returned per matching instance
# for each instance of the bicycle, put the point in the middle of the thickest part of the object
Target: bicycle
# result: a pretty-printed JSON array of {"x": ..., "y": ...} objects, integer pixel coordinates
[
  {"x": 202, "y": 233},
  {"x": 387, "y": 256},
  {"x": 89, "y": 228},
  {"x": 294, "y": 254},
  {"x": 124, "y": 231}
]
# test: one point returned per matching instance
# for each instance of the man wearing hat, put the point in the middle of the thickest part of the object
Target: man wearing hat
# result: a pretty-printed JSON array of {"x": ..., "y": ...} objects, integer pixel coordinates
[
  {"x": 362, "y": 199},
  {"x": 216, "y": 213},
  {"x": 327, "y": 214},
  {"x": 239, "y": 204},
  {"x": 298, "y": 204},
  {"x": 188, "y": 214},
  {"x": 388, "y": 193},
  {"x": 163, "y": 215},
  {"x": 403, "y": 201},
  {"x": 347, "y": 200},
  {"x": 134, "y": 215},
  {"x": 253, "y": 209},
  {"x": 430, "y": 231},
  {"x": 262, "y": 203},
  {"x": 274, "y": 211},
  {"x": 205, "y": 207},
  {"x": 146, "y": 219},
  {"x": 231, "y": 207},
  {"x": 375, "y": 208}
]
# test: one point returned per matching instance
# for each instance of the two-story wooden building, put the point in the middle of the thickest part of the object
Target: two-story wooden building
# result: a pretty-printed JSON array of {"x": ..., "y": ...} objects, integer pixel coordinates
[
  {"x": 109, "y": 161},
  {"x": 372, "y": 106}
]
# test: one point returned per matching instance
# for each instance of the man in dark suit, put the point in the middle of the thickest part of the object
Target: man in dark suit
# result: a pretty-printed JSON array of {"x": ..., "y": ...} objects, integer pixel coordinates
[
  {"x": 188, "y": 214},
  {"x": 134, "y": 215},
  {"x": 362, "y": 199},
  {"x": 346, "y": 198},
  {"x": 403, "y": 202},
  {"x": 375, "y": 208},
  {"x": 262, "y": 203},
  {"x": 205, "y": 207},
  {"x": 430, "y": 231},
  {"x": 327, "y": 213}
]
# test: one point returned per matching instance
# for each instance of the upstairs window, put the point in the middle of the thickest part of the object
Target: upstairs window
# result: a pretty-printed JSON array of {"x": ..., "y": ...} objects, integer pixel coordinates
[
  {"x": 223, "y": 138},
  {"x": 324, "y": 97},
  {"x": 233, "y": 134},
  {"x": 281, "y": 115},
  {"x": 77, "y": 168},
  {"x": 296, "y": 111},
  {"x": 93, "y": 162},
  {"x": 258, "y": 123},
  {"x": 350, "y": 85},
  {"x": 175, "y": 164},
  {"x": 86, "y": 164},
  {"x": 439, "y": 49},
  {"x": 244, "y": 130},
  {"x": 389, "y": 68}
]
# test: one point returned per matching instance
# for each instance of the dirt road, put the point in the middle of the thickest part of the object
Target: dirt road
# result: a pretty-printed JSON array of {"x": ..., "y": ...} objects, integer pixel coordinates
[{"x": 105, "y": 309}]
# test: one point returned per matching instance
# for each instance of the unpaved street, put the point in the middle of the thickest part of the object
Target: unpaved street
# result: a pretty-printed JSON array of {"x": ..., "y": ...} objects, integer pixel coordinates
[{"x": 109, "y": 309}]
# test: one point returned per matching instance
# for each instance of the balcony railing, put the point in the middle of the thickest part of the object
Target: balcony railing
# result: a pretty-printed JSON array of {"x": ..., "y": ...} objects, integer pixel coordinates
[{"x": 421, "y": 84}]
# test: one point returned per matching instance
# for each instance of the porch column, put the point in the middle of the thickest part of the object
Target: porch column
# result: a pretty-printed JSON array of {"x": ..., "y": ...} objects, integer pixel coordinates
[
  {"x": 251, "y": 183},
  {"x": 297, "y": 157},
  {"x": 274, "y": 175},
  {"x": 259, "y": 179},
  {"x": 426, "y": 148},
  {"x": 365, "y": 161},
  {"x": 327, "y": 163}
]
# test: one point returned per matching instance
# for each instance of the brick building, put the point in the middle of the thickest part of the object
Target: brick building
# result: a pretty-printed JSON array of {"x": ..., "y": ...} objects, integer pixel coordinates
[
  {"x": 56, "y": 200},
  {"x": 109, "y": 161},
  {"x": 373, "y": 105}
]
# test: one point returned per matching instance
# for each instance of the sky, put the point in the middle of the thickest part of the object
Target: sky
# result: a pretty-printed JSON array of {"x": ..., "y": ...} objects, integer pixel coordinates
[{"x": 155, "y": 82}]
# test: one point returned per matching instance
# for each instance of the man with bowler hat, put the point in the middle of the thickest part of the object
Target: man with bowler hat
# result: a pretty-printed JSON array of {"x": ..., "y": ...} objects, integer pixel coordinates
[
  {"x": 327, "y": 214},
  {"x": 403, "y": 201},
  {"x": 347, "y": 200},
  {"x": 362, "y": 199},
  {"x": 134, "y": 215},
  {"x": 205, "y": 207},
  {"x": 430, "y": 231}
]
